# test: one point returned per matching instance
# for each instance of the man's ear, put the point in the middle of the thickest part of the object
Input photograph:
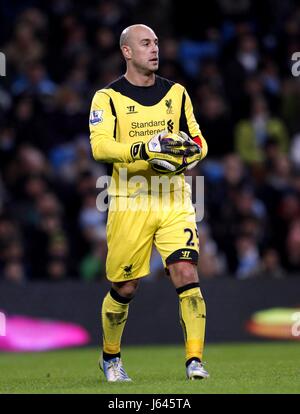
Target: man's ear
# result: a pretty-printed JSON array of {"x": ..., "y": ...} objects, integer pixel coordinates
[{"x": 126, "y": 50}]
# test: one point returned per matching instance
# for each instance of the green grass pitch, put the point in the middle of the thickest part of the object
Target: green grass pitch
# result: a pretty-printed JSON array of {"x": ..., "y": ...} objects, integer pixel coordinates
[{"x": 270, "y": 367}]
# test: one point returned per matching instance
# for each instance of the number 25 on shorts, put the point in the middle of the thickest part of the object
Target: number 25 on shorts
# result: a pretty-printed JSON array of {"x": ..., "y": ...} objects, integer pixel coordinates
[{"x": 191, "y": 237}]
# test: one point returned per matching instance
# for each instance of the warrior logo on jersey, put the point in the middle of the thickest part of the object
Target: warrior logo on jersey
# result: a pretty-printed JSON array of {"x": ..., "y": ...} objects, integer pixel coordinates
[
  {"x": 96, "y": 117},
  {"x": 131, "y": 109}
]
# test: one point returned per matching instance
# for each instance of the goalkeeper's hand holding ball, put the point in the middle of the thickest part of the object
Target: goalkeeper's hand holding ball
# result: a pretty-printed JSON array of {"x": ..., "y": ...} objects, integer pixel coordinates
[
  {"x": 194, "y": 152},
  {"x": 165, "y": 150}
]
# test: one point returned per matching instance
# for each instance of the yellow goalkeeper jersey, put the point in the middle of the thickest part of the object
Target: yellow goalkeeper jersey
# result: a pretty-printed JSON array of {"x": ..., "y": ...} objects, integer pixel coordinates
[{"x": 123, "y": 113}]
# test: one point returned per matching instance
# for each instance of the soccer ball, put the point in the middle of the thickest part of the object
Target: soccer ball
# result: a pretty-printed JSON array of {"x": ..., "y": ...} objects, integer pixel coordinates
[{"x": 161, "y": 170}]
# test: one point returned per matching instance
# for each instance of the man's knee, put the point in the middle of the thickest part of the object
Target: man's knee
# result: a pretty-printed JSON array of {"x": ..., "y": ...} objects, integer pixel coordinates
[
  {"x": 126, "y": 289},
  {"x": 183, "y": 273}
]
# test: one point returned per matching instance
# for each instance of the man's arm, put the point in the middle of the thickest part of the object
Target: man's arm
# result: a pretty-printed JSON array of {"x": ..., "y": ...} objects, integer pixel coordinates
[
  {"x": 102, "y": 130},
  {"x": 189, "y": 124}
]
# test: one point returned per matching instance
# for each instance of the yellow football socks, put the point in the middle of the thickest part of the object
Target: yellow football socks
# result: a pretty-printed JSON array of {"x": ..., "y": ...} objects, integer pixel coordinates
[
  {"x": 192, "y": 313},
  {"x": 114, "y": 317}
]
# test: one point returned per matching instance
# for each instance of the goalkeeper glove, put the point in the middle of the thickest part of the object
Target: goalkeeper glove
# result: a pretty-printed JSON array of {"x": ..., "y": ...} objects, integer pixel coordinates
[
  {"x": 193, "y": 153},
  {"x": 161, "y": 150}
]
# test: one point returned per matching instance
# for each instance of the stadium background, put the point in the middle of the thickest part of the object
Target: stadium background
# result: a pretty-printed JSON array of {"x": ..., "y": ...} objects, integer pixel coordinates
[{"x": 234, "y": 57}]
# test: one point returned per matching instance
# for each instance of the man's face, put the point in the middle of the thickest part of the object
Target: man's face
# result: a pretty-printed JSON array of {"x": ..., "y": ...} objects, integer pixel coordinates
[{"x": 143, "y": 50}]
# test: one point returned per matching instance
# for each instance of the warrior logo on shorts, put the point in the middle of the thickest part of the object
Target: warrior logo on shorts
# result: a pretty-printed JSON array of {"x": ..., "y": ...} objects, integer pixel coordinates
[
  {"x": 185, "y": 254},
  {"x": 127, "y": 270}
]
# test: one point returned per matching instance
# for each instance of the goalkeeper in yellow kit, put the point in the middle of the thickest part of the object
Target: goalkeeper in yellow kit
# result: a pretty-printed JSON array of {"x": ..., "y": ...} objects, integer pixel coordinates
[{"x": 130, "y": 120}]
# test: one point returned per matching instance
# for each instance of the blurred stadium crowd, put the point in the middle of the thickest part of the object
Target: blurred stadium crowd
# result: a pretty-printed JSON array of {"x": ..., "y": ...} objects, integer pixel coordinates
[{"x": 234, "y": 57}]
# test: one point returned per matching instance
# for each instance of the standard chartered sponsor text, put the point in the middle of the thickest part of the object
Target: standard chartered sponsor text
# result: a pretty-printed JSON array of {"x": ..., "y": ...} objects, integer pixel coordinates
[
  {"x": 145, "y": 133},
  {"x": 138, "y": 128}
]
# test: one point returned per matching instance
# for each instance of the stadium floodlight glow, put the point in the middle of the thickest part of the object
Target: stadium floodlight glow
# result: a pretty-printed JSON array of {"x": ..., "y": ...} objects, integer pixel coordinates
[{"x": 2, "y": 64}]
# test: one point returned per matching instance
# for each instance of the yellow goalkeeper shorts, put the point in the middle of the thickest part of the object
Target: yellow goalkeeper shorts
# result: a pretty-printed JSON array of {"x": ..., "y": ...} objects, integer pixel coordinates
[{"x": 134, "y": 225}]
